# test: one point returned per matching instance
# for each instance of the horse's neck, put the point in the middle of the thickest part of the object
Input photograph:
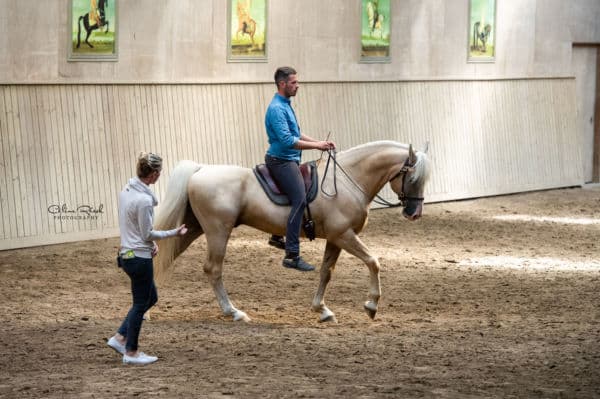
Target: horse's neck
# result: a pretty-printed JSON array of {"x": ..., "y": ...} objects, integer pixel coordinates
[{"x": 372, "y": 169}]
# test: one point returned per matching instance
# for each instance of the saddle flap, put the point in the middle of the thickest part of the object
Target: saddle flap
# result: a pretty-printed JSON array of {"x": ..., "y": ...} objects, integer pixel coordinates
[{"x": 262, "y": 172}]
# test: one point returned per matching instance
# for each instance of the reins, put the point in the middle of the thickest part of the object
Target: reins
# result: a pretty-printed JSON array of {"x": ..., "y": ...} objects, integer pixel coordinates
[{"x": 378, "y": 199}]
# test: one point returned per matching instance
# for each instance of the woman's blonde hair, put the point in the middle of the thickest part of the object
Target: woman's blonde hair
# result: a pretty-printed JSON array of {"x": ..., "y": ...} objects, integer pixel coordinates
[{"x": 148, "y": 163}]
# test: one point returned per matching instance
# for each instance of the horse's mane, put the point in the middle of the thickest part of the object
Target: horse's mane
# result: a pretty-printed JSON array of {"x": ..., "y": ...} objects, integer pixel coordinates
[
  {"x": 369, "y": 146},
  {"x": 421, "y": 167}
]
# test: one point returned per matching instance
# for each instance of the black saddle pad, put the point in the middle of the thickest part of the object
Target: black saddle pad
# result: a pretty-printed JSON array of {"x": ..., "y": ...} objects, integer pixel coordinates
[{"x": 309, "y": 174}]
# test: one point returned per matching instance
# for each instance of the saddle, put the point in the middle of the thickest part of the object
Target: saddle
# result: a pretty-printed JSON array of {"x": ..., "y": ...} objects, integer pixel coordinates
[{"x": 309, "y": 174}]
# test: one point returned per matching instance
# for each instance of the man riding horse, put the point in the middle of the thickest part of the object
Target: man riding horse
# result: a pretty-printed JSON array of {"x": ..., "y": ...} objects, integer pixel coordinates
[{"x": 283, "y": 158}]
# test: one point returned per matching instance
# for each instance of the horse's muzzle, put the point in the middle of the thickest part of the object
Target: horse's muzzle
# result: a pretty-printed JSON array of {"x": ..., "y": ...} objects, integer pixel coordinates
[{"x": 413, "y": 210}]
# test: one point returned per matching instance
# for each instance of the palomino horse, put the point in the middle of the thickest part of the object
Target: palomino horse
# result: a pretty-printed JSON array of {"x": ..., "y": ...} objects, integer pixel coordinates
[
  {"x": 213, "y": 199},
  {"x": 246, "y": 25}
]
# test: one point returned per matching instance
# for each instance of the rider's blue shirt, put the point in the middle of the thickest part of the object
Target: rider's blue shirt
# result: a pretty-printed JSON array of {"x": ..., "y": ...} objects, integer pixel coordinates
[{"x": 282, "y": 129}]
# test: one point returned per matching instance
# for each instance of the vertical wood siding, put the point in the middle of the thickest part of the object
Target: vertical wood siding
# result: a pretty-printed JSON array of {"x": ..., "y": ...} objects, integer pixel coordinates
[{"x": 73, "y": 145}]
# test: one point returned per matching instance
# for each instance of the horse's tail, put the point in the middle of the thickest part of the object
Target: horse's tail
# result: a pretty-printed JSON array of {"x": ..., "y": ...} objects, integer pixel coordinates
[
  {"x": 79, "y": 30},
  {"x": 171, "y": 214}
]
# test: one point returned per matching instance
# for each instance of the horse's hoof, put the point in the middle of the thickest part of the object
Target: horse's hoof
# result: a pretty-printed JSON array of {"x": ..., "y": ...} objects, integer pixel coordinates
[
  {"x": 327, "y": 316},
  {"x": 370, "y": 312},
  {"x": 241, "y": 316},
  {"x": 329, "y": 319}
]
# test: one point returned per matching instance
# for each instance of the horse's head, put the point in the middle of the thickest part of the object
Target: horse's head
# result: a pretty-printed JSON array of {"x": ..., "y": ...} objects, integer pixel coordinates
[{"x": 409, "y": 183}]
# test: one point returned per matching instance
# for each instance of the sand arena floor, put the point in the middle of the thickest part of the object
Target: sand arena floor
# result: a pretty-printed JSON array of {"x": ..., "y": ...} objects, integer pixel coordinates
[{"x": 495, "y": 297}]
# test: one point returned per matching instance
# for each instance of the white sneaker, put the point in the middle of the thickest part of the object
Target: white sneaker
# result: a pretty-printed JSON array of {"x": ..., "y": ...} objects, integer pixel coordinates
[
  {"x": 140, "y": 358},
  {"x": 116, "y": 345}
]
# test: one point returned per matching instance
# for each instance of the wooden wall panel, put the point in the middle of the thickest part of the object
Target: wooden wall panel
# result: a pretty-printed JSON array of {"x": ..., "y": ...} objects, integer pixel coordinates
[{"x": 64, "y": 146}]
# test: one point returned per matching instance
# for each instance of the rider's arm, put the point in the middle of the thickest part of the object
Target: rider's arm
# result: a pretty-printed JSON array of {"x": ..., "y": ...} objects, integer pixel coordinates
[
  {"x": 308, "y": 143},
  {"x": 314, "y": 145},
  {"x": 304, "y": 137}
]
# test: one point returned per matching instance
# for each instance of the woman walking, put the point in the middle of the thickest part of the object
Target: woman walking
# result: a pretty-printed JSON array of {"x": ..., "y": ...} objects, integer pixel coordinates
[{"x": 138, "y": 247}]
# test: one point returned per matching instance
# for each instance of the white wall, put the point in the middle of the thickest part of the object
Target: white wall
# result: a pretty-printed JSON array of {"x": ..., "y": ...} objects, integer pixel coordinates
[
  {"x": 72, "y": 145},
  {"x": 185, "y": 41}
]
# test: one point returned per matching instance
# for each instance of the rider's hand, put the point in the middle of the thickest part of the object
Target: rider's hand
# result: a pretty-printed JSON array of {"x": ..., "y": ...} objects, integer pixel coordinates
[{"x": 326, "y": 145}]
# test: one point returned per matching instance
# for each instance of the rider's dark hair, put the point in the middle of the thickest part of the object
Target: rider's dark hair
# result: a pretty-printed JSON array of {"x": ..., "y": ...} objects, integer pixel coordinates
[{"x": 283, "y": 73}]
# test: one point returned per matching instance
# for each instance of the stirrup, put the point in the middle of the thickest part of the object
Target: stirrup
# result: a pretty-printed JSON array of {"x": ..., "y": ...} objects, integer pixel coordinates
[{"x": 277, "y": 242}]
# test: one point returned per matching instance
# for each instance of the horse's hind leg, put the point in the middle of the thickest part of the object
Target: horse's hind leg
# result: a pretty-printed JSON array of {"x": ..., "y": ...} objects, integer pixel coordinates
[
  {"x": 217, "y": 244},
  {"x": 194, "y": 231},
  {"x": 87, "y": 37},
  {"x": 89, "y": 29},
  {"x": 330, "y": 257},
  {"x": 350, "y": 242}
]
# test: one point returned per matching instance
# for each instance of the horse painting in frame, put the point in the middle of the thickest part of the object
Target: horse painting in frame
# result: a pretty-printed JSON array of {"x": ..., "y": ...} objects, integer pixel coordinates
[
  {"x": 93, "y": 32},
  {"x": 213, "y": 199},
  {"x": 95, "y": 19}
]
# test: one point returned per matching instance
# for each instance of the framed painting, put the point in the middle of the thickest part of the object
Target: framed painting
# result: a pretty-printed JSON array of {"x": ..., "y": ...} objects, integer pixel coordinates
[
  {"x": 376, "y": 25},
  {"x": 246, "y": 30},
  {"x": 92, "y": 30},
  {"x": 482, "y": 30}
]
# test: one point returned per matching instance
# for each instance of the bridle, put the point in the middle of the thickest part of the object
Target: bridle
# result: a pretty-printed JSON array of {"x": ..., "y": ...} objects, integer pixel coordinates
[{"x": 402, "y": 197}]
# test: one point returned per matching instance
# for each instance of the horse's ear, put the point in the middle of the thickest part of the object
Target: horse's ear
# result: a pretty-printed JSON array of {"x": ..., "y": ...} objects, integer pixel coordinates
[
  {"x": 426, "y": 147},
  {"x": 412, "y": 158}
]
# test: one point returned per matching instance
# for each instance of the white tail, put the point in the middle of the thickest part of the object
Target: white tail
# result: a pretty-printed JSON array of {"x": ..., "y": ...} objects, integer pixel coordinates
[{"x": 170, "y": 215}]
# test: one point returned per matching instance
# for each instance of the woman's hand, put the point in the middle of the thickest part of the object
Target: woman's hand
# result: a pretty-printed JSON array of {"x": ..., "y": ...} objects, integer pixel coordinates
[{"x": 181, "y": 230}]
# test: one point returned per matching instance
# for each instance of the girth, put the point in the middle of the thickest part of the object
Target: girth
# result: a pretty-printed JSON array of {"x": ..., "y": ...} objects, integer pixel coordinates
[{"x": 309, "y": 174}]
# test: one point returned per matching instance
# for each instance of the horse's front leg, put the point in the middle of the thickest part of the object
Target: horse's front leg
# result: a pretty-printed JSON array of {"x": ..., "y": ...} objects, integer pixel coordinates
[
  {"x": 332, "y": 252},
  {"x": 217, "y": 244},
  {"x": 350, "y": 242}
]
